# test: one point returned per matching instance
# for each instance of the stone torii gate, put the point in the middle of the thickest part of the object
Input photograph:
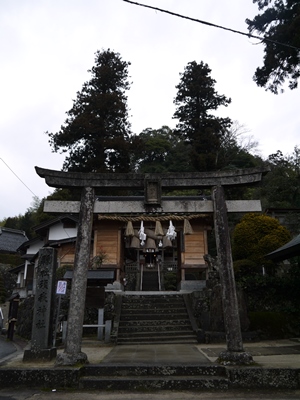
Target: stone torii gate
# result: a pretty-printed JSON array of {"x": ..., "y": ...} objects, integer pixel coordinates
[{"x": 152, "y": 185}]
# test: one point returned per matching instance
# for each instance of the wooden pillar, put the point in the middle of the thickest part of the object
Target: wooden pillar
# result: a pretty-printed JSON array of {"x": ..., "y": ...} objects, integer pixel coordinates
[
  {"x": 119, "y": 257},
  {"x": 118, "y": 275},
  {"x": 182, "y": 274},
  {"x": 235, "y": 353},
  {"x": 72, "y": 353},
  {"x": 95, "y": 242}
]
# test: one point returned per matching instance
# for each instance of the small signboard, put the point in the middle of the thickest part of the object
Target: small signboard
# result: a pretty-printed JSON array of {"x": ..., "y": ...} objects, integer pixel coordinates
[{"x": 61, "y": 287}]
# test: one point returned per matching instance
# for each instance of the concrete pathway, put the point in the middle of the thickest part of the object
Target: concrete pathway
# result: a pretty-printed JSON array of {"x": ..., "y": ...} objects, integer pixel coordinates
[
  {"x": 269, "y": 354},
  {"x": 6, "y": 347},
  {"x": 161, "y": 353}
]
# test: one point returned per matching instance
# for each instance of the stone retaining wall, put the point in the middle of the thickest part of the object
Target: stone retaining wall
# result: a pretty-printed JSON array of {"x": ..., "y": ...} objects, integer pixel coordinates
[{"x": 63, "y": 378}]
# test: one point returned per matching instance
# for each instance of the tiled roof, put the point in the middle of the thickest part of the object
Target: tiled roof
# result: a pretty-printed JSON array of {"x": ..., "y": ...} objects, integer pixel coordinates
[
  {"x": 24, "y": 246},
  {"x": 44, "y": 226},
  {"x": 17, "y": 269},
  {"x": 11, "y": 240},
  {"x": 289, "y": 250}
]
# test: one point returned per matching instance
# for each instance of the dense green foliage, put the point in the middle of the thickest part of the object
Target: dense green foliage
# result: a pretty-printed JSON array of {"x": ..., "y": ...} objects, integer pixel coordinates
[
  {"x": 8, "y": 282},
  {"x": 164, "y": 150},
  {"x": 275, "y": 293},
  {"x": 270, "y": 324},
  {"x": 96, "y": 133},
  {"x": 272, "y": 298},
  {"x": 257, "y": 235},
  {"x": 32, "y": 217},
  {"x": 13, "y": 260},
  {"x": 160, "y": 150},
  {"x": 22, "y": 222},
  {"x": 273, "y": 301},
  {"x": 280, "y": 22},
  {"x": 195, "y": 102},
  {"x": 281, "y": 187}
]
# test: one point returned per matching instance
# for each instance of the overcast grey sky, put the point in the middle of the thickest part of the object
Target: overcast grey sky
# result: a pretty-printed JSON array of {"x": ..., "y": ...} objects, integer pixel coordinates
[{"x": 47, "y": 47}]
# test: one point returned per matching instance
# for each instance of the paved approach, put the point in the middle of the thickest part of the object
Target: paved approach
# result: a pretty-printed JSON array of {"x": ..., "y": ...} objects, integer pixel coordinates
[
  {"x": 269, "y": 354},
  {"x": 7, "y": 348}
]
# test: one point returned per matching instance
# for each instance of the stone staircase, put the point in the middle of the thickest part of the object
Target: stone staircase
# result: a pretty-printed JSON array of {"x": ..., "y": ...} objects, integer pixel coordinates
[
  {"x": 108, "y": 376},
  {"x": 154, "y": 319}
]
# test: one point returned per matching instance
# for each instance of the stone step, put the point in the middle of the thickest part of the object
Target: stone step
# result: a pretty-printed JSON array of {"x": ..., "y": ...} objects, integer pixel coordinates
[
  {"x": 154, "y": 311},
  {"x": 149, "y": 306},
  {"x": 152, "y": 317},
  {"x": 161, "y": 333},
  {"x": 158, "y": 339},
  {"x": 152, "y": 298},
  {"x": 158, "y": 304},
  {"x": 157, "y": 328},
  {"x": 163, "y": 337},
  {"x": 172, "y": 342},
  {"x": 155, "y": 343},
  {"x": 154, "y": 382},
  {"x": 155, "y": 323},
  {"x": 153, "y": 369}
]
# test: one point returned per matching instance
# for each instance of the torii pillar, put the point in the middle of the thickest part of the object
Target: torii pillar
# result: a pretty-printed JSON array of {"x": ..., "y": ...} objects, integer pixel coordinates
[
  {"x": 235, "y": 353},
  {"x": 72, "y": 353}
]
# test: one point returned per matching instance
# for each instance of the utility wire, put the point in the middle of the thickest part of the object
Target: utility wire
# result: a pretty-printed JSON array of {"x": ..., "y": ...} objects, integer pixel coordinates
[
  {"x": 262, "y": 39},
  {"x": 18, "y": 177}
]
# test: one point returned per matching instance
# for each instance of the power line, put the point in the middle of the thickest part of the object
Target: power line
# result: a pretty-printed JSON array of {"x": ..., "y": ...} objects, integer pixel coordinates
[
  {"x": 213, "y": 25},
  {"x": 18, "y": 177}
]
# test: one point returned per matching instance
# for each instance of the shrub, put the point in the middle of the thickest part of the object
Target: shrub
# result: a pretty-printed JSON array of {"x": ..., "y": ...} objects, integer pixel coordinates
[
  {"x": 257, "y": 235},
  {"x": 244, "y": 268},
  {"x": 170, "y": 281},
  {"x": 273, "y": 325}
]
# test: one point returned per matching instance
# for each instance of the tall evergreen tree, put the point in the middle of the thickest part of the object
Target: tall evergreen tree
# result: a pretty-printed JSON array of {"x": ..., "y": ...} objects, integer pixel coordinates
[
  {"x": 280, "y": 22},
  {"x": 198, "y": 127},
  {"x": 96, "y": 134}
]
